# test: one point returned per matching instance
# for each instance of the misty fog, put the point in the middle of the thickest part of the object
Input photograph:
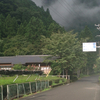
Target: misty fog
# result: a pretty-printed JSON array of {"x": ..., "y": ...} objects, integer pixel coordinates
[{"x": 71, "y": 12}]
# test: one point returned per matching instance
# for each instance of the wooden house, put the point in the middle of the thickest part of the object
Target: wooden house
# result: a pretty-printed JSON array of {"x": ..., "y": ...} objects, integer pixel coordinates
[{"x": 7, "y": 63}]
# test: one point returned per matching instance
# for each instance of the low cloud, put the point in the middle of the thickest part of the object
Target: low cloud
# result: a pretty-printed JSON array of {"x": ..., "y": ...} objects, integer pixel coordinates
[{"x": 71, "y": 12}]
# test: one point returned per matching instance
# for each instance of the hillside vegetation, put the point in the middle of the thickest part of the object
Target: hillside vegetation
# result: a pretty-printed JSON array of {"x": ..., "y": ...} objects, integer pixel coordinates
[{"x": 21, "y": 25}]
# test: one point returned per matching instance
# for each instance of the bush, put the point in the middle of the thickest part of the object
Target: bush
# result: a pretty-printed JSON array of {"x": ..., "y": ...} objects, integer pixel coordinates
[
  {"x": 97, "y": 66},
  {"x": 19, "y": 67},
  {"x": 73, "y": 77}
]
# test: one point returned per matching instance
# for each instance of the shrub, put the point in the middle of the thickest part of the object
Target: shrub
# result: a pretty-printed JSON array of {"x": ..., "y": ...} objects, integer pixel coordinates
[{"x": 19, "y": 67}]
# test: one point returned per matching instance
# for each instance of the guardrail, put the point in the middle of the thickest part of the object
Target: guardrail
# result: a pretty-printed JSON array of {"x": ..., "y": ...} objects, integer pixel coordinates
[
  {"x": 1, "y": 92},
  {"x": 17, "y": 90},
  {"x": 53, "y": 83},
  {"x": 64, "y": 76},
  {"x": 61, "y": 76}
]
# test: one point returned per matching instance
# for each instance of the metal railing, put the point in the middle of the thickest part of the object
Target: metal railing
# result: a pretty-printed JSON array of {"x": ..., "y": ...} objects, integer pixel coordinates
[{"x": 17, "y": 90}]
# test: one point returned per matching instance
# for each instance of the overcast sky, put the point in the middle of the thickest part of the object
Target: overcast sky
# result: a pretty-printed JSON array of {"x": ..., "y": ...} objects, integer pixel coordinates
[{"x": 65, "y": 12}]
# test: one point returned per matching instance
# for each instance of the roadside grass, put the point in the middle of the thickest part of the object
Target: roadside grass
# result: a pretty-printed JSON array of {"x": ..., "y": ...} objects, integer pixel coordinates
[
  {"x": 60, "y": 81},
  {"x": 5, "y": 80},
  {"x": 99, "y": 79},
  {"x": 82, "y": 75}
]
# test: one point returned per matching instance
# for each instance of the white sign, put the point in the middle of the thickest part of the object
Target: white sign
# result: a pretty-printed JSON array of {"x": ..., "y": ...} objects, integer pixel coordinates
[{"x": 89, "y": 47}]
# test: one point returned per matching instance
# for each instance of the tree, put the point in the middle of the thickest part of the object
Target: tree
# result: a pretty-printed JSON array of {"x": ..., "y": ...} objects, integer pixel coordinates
[
  {"x": 86, "y": 33},
  {"x": 91, "y": 56},
  {"x": 54, "y": 28},
  {"x": 17, "y": 45},
  {"x": 2, "y": 19},
  {"x": 34, "y": 30},
  {"x": 21, "y": 30},
  {"x": 65, "y": 47},
  {"x": 24, "y": 18},
  {"x": 10, "y": 26},
  {"x": 1, "y": 46},
  {"x": 97, "y": 66}
]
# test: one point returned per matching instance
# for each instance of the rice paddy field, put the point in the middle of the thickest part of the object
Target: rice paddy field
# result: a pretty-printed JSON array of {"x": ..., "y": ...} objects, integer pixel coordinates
[{"x": 5, "y": 80}]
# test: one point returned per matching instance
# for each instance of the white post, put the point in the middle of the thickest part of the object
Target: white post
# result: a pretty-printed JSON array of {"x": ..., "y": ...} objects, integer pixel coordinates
[
  {"x": 45, "y": 84},
  {"x": 36, "y": 86},
  {"x": 28, "y": 77},
  {"x": 24, "y": 88},
  {"x": 1, "y": 92},
  {"x": 15, "y": 78},
  {"x": 63, "y": 73},
  {"x": 7, "y": 92},
  {"x": 17, "y": 91},
  {"x": 30, "y": 88},
  {"x": 48, "y": 83},
  {"x": 41, "y": 85}
]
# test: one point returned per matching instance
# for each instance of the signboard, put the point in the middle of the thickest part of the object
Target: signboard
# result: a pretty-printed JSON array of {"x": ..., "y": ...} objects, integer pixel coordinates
[{"x": 89, "y": 47}]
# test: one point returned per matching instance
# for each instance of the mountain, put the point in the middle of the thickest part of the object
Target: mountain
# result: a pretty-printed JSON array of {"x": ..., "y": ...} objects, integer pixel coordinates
[{"x": 21, "y": 25}]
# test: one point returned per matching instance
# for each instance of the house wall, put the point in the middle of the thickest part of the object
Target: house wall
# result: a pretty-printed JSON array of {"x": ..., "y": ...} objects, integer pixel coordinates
[
  {"x": 6, "y": 66},
  {"x": 44, "y": 67}
]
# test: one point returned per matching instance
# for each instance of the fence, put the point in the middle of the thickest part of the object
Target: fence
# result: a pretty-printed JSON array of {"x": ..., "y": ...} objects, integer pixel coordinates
[
  {"x": 57, "y": 82},
  {"x": 1, "y": 92},
  {"x": 17, "y": 90},
  {"x": 64, "y": 76},
  {"x": 61, "y": 76}
]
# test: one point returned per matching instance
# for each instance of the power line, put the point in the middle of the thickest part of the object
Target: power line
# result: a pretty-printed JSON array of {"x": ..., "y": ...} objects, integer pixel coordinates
[
  {"x": 52, "y": 8},
  {"x": 57, "y": 14},
  {"x": 68, "y": 7},
  {"x": 72, "y": 10},
  {"x": 65, "y": 7}
]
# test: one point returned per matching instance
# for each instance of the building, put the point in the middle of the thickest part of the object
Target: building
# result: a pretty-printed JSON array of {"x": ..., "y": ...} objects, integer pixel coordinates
[{"x": 7, "y": 63}]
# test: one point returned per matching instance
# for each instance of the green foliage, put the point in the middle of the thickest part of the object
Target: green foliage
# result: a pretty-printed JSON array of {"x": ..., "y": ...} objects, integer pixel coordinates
[
  {"x": 97, "y": 66},
  {"x": 18, "y": 67},
  {"x": 1, "y": 45},
  {"x": 17, "y": 46},
  {"x": 90, "y": 56},
  {"x": 22, "y": 79},
  {"x": 2, "y": 19},
  {"x": 54, "y": 28},
  {"x": 86, "y": 33},
  {"x": 66, "y": 48},
  {"x": 21, "y": 25},
  {"x": 10, "y": 26}
]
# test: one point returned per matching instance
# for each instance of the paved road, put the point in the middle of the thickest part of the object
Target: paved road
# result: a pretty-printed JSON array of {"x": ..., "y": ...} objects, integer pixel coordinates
[{"x": 84, "y": 89}]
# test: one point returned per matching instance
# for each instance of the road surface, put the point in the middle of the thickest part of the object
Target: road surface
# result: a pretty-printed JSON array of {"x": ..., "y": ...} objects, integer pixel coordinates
[{"x": 83, "y": 89}]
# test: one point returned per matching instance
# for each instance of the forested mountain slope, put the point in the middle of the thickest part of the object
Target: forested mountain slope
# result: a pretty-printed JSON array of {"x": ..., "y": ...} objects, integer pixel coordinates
[{"x": 21, "y": 25}]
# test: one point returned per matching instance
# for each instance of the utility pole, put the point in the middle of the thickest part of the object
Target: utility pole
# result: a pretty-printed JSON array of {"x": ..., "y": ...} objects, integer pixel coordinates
[{"x": 98, "y": 27}]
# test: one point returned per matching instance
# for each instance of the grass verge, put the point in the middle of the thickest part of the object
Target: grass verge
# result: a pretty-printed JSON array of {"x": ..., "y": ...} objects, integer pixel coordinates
[{"x": 24, "y": 78}]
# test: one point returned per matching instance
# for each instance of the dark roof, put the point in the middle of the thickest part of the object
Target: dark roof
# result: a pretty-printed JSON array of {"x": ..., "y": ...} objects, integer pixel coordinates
[{"x": 22, "y": 59}]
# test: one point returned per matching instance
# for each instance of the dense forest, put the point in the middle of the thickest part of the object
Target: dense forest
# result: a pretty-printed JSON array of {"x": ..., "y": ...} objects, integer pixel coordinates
[
  {"x": 26, "y": 29},
  {"x": 21, "y": 25}
]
